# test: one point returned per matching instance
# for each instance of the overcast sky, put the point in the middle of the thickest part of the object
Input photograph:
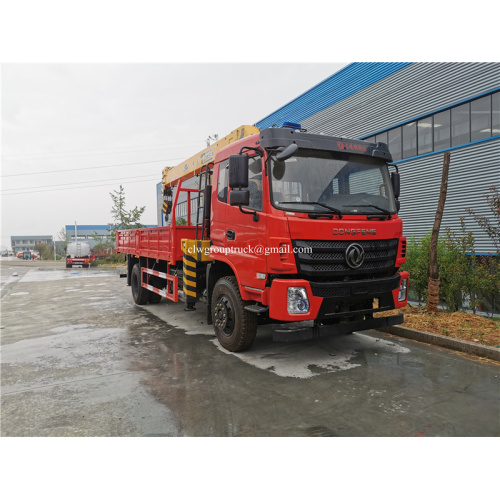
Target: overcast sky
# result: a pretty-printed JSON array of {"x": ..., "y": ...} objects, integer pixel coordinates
[{"x": 69, "y": 130}]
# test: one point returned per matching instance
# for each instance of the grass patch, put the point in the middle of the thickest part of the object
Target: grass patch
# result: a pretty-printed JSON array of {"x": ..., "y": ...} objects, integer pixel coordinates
[{"x": 459, "y": 325}]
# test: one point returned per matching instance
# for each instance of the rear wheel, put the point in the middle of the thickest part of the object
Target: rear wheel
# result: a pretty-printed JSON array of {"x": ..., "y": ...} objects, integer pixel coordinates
[
  {"x": 234, "y": 326},
  {"x": 139, "y": 294}
]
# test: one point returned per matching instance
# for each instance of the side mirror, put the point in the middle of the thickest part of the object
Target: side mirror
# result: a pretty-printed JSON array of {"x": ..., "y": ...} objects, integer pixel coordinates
[
  {"x": 238, "y": 171},
  {"x": 288, "y": 152},
  {"x": 240, "y": 197},
  {"x": 396, "y": 184}
]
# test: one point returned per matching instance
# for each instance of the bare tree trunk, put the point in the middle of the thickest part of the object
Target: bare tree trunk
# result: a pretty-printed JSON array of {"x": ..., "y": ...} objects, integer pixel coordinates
[{"x": 433, "y": 300}]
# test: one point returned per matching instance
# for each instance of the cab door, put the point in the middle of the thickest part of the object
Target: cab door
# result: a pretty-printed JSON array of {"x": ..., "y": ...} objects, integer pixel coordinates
[
  {"x": 246, "y": 232},
  {"x": 219, "y": 205}
]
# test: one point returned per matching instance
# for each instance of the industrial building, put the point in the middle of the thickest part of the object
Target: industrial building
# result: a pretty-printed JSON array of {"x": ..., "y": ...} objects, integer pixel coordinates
[
  {"x": 24, "y": 243},
  {"x": 420, "y": 110},
  {"x": 87, "y": 232}
]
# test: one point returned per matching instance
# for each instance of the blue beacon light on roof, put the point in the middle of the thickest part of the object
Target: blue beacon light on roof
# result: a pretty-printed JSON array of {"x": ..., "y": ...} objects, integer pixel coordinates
[{"x": 292, "y": 125}]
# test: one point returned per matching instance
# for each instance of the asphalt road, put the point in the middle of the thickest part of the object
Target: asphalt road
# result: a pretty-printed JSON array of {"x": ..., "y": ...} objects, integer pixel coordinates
[{"x": 79, "y": 358}]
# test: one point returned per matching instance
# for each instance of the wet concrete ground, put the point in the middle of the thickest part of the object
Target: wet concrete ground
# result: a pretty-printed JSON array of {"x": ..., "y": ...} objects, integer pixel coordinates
[{"x": 79, "y": 358}]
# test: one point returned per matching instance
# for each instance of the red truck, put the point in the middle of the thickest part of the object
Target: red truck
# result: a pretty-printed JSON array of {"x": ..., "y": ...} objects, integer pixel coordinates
[{"x": 289, "y": 226}]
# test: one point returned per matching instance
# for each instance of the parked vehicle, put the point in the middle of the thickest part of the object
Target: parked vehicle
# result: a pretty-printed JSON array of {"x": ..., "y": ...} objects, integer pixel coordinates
[
  {"x": 289, "y": 226},
  {"x": 78, "y": 254}
]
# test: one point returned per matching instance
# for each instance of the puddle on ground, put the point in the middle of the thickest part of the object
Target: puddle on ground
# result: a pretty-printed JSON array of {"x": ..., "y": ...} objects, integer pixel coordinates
[
  {"x": 36, "y": 275},
  {"x": 316, "y": 357}
]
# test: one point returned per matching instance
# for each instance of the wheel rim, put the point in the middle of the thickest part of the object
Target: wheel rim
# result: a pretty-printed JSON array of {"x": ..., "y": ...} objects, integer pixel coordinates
[{"x": 224, "y": 317}]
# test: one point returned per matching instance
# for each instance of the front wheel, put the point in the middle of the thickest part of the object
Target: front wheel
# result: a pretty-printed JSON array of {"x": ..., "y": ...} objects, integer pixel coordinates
[
  {"x": 234, "y": 326},
  {"x": 139, "y": 293}
]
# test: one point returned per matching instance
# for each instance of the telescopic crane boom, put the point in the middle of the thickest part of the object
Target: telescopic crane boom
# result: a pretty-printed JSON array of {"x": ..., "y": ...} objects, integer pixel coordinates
[{"x": 193, "y": 165}]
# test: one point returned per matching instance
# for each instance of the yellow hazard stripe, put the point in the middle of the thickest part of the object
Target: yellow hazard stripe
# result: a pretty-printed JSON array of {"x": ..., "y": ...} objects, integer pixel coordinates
[
  {"x": 188, "y": 258},
  {"x": 189, "y": 272},
  {"x": 189, "y": 281}
]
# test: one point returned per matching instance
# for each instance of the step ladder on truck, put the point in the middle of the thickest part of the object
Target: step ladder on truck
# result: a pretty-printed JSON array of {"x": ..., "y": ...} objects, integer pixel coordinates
[{"x": 287, "y": 226}]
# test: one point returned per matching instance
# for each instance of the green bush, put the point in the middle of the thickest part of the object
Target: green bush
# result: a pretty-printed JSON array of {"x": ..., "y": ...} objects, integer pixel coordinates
[
  {"x": 417, "y": 264},
  {"x": 464, "y": 277}
]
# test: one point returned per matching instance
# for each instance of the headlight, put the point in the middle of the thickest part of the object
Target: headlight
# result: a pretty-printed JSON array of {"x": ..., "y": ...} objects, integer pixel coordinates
[
  {"x": 402, "y": 290},
  {"x": 297, "y": 302}
]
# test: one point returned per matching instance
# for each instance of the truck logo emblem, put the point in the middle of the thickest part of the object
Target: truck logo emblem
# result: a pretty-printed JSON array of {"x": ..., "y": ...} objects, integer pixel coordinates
[
  {"x": 352, "y": 147},
  {"x": 354, "y": 255}
]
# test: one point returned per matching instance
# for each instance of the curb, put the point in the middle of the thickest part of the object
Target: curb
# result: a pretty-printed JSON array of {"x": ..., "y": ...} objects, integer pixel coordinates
[{"x": 448, "y": 342}]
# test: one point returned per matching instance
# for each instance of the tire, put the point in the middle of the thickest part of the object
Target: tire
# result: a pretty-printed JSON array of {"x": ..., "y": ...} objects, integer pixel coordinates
[
  {"x": 69, "y": 266},
  {"x": 139, "y": 294},
  {"x": 235, "y": 328}
]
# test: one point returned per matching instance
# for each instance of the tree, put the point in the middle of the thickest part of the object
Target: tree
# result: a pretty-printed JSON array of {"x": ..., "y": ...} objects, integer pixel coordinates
[
  {"x": 64, "y": 237},
  {"x": 122, "y": 219},
  {"x": 433, "y": 300},
  {"x": 490, "y": 226},
  {"x": 46, "y": 251}
]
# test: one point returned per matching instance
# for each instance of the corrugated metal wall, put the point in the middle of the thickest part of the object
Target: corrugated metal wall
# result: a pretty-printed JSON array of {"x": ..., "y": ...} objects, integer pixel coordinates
[
  {"x": 413, "y": 91},
  {"x": 349, "y": 80},
  {"x": 472, "y": 170},
  {"x": 403, "y": 95}
]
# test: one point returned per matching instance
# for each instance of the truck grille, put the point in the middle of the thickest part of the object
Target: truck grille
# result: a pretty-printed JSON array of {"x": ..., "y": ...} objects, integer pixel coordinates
[
  {"x": 328, "y": 258},
  {"x": 356, "y": 288}
]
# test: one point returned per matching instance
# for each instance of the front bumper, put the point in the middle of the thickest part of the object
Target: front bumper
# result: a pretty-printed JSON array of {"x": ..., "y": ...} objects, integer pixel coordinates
[
  {"x": 342, "y": 300},
  {"x": 312, "y": 332}
]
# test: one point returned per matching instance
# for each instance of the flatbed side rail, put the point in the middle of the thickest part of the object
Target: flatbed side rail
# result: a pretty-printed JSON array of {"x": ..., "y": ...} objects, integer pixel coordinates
[
  {"x": 170, "y": 292},
  {"x": 162, "y": 242}
]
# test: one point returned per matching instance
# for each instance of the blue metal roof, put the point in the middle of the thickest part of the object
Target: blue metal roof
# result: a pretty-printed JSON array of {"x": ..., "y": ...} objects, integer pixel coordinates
[{"x": 344, "y": 83}]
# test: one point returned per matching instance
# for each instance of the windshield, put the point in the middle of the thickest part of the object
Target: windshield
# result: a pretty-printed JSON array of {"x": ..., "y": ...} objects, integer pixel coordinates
[{"x": 322, "y": 181}]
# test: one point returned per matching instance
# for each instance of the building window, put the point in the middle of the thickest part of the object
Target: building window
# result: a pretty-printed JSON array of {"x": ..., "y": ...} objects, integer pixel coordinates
[
  {"x": 480, "y": 118},
  {"x": 460, "y": 124},
  {"x": 395, "y": 144},
  {"x": 424, "y": 135},
  {"x": 409, "y": 140},
  {"x": 495, "y": 115},
  {"x": 442, "y": 135},
  {"x": 472, "y": 121}
]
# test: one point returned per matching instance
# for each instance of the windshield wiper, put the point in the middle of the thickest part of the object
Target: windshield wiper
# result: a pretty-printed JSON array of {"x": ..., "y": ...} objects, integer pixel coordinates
[
  {"x": 383, "y": 210},
  {"x": 333, "y": 209}
]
